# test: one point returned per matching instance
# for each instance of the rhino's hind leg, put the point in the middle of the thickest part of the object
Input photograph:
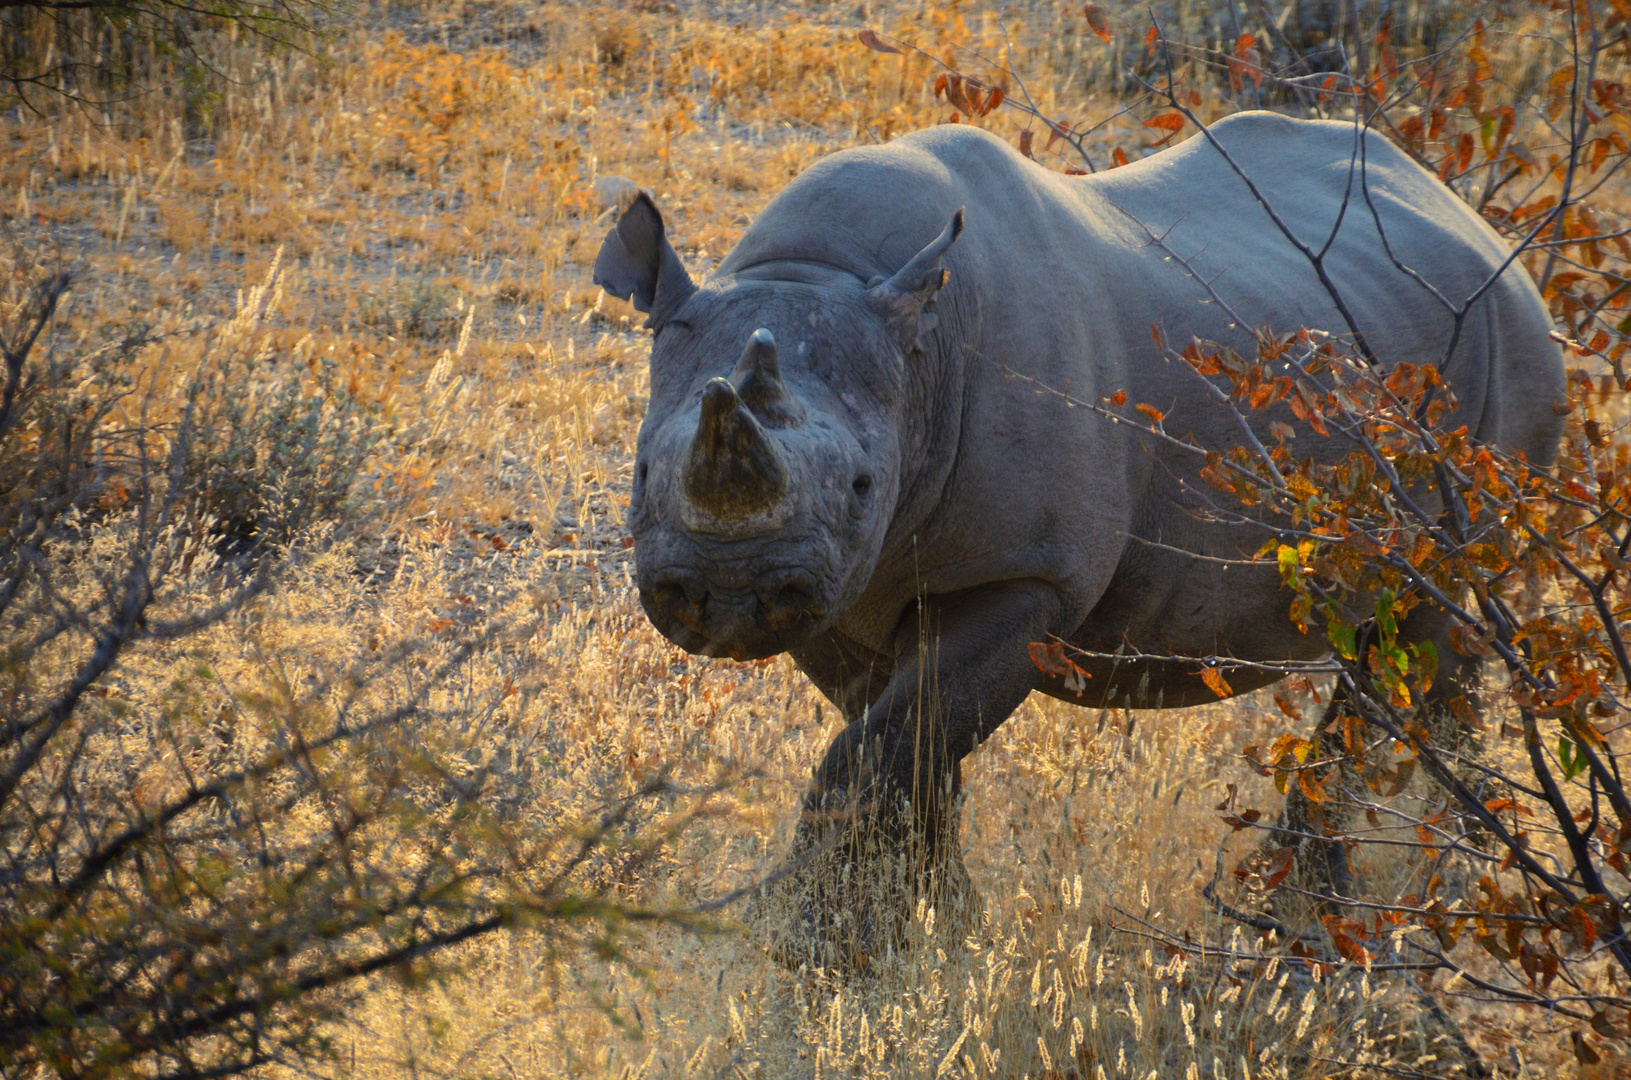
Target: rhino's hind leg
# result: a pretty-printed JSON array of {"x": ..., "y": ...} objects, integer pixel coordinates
[
  {"x": 1313, "y": 831},
  {"x": 1324, "y": 872}
]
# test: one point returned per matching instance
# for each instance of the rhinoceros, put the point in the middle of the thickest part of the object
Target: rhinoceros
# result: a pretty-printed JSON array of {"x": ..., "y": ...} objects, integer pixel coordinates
[{"x": 862, "y": 447}]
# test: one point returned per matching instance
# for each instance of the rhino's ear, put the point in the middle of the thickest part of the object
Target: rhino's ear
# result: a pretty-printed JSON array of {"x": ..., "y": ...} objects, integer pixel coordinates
[
  {"x": 636, "y": 262},
  {"x": 906, "y": 301}
]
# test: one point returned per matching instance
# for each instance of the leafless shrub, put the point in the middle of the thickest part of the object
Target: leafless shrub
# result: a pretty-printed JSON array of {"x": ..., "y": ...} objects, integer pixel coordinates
[
  {"x": 102, "y": 52},
  {"x": 197, "y": 884}
]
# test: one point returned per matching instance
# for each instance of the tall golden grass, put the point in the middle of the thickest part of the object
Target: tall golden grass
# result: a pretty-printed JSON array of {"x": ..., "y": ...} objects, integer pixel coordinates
[{"x": 429, "y": 176}]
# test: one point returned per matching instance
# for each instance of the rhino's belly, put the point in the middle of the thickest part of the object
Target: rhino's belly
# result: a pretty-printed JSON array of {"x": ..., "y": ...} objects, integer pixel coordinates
[
  {"x": 1156, "y": 616},
  {"x": 1151, "y": 684}
]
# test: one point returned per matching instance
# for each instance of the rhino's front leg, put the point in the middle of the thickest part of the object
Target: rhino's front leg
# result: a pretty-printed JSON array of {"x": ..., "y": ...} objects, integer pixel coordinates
[{"x": 880, "y": 821}]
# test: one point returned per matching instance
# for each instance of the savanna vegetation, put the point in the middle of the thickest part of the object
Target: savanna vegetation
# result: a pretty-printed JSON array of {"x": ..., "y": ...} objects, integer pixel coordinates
[{"x": 334, "y": 741}]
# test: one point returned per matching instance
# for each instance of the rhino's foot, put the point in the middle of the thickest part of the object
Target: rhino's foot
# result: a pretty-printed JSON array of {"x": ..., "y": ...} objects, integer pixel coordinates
[{"x": 841, "y": 912}]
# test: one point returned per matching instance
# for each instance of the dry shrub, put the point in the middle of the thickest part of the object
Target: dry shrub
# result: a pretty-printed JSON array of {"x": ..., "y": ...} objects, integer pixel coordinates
[
  {"x": 99, "y": 54},
  {"x": 217, "y": 817}
]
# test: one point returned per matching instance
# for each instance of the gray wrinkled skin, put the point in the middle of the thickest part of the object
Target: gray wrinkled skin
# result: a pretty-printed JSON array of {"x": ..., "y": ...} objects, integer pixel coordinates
[{"x": 938, "y": 513}]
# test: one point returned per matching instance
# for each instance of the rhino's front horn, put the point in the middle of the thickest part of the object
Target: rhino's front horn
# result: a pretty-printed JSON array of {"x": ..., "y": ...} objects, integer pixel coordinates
[
  {"x": 758, "y": 381},
  {"x": 735, "y": 474}
]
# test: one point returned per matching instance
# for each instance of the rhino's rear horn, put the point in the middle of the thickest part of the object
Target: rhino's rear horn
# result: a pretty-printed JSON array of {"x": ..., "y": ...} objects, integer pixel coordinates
[
  {"x": 735, "y": 471},
  {"x": 758, "y": 381}
]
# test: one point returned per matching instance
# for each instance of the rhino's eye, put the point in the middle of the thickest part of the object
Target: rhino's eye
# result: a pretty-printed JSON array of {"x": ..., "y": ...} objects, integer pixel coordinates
[{"x": 862, "y": 485}]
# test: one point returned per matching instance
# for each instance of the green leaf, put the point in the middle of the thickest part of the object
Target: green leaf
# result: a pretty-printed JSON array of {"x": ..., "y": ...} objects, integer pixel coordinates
[
  {"x": 1343, "y": 638},
  {"x": 1384, "y": 616},
  {"x": 1426, "y": 654},
  {"x": 1572, "y": 760},
  {"x": 1397, "y": 659},
  {"x": 1289, "y": 564}
]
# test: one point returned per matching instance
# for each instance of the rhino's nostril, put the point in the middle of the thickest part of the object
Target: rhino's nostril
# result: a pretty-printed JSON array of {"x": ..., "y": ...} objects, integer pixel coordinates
[
  {"x": 671, "y": 598},
  {"x": 684, "y": 596},
  {"x": 793, "y": 600}
]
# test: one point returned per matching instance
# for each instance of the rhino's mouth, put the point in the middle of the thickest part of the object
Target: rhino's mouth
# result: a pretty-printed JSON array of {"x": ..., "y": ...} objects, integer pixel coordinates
[{"x": 778, "y": 612}]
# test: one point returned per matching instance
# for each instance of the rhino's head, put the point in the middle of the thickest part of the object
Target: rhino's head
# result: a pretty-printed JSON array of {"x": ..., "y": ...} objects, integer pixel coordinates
[{"x": 769, "y": 462}]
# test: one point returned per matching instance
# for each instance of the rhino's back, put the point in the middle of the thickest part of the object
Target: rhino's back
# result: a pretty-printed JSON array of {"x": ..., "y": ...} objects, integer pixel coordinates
[
  {"x": 1505, "y": 369},
  {"x": 1386, "y": 211}
]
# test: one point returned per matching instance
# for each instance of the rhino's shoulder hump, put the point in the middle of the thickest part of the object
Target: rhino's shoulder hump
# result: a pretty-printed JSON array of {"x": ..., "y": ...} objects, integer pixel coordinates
[
  {"x": 944, "y": 155},
  {"x": 953, "y": 143},
  {"x": 868, "y": 209}
]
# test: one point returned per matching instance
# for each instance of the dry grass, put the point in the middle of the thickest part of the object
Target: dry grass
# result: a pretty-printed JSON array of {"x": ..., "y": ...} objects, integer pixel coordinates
[{"x": 429, "y": 180}]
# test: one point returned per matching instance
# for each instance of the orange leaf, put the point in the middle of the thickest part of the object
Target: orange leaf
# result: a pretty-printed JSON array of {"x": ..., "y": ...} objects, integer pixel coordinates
[
  {"x": 1056, "y": 131},
  {"x": 1288, "y": 708},
  {"x": 1279, "y": 867},
  {"x": 1213, "y": 678},
  {"x": 1245, "y": 61},
  {"x": 1171, "y": 123},
  {"x": 993, "y": 101},
  {"x": 955, "y": 95},
  {"x": 871, "y": 40},
  {"x": 1118, "y": 158},
  {"x": 1050, "y": 657},
  {"x": 1338, "y": 928},
  {"x": 1097, "y": 22},
  {"x": 1025, "y": 144},
  {"x": 1150, "y": 411},
  {"x": 1475, "y": 98},
  {"x": 1503, "y": 129}
]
